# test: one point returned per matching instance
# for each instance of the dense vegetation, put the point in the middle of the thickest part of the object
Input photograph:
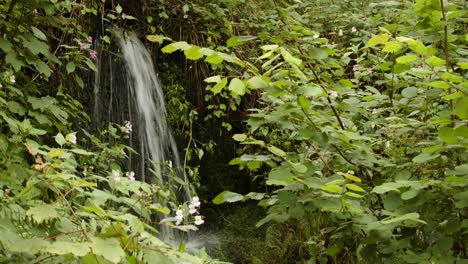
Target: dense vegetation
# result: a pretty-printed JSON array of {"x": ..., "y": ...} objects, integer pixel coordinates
[{"x": 347, "y": 121}]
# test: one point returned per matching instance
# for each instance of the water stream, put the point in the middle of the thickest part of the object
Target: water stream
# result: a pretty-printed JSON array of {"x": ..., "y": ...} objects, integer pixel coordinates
[{"x": 135, "y": 94}]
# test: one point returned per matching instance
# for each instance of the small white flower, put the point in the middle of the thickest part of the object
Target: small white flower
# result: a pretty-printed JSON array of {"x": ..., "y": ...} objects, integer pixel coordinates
[
  {"x": 116, "y": 175},
  {"x": 170, "y": 164},
  {"x": 316, "y": 35},
  {"x": 199, "y": 220},
  {"x": 71, "y": 138},
  {"x": 196, "y": 202},
  {"x": 85, "y": 172},
  {"x": 128, "y": 127},
  {"x": 353, "y": 29},
  {"x": 192, "y": 209},
  {"x": 1, "y": 86},
  {"x": 373, "y": 126},
  {"x": 375, "y": 111},
  {"x": 131, "y": 175},
  {"x": 12, "y": 79},
  {"x": 179, "y": 217},
  {"x": 340, "y": 33},
  {"x": 333, "y": 94}
]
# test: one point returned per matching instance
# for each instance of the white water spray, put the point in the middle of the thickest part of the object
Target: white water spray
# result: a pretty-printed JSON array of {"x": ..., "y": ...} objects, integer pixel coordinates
[{"x": 157, "y": 144}]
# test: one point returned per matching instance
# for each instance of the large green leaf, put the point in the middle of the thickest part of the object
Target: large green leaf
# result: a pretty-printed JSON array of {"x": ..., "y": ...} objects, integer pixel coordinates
[
  {"x": 237, "y": 87},
  {"x": 227, "y": 196},
  {"x": 109, "y": 248}
]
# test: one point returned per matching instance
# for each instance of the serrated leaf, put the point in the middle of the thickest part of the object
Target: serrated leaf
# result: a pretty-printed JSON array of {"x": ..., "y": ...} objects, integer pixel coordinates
[
  {"x": 64, "y": 247},
  {"x": 280, "y": 176},
  {"x": 332, "y": 188},
  {"x": 392, "y": 47},
  {"x": 406, "y": 59},
  {"x": 354, "y": 187},
  {"x": 227, "y": 196},
  {"x": 378, "y": 39},
  {"x": 439, "y": 84},
  {"x": 43, "y": 212},
  {"x": 435, "y": 61},
  {"x": 29, "y": 246},
  {"x": 109, "y": 248},
  {"x": 461, "y": 108},
  {"x": 237, "y": 87},
  {"x": 463, "y": 65}
]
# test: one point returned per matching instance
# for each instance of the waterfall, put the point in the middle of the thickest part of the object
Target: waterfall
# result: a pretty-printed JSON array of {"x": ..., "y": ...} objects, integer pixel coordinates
[{"x": 133, "y": 93}]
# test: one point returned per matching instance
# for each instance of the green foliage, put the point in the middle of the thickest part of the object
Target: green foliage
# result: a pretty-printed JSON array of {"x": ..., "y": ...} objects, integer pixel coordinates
[
  {"x": 64, "y": 195},
  {"x": 365, "y": 130}
]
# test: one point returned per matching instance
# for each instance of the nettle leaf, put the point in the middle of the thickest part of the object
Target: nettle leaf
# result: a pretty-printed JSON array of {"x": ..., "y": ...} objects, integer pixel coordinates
[
  {"x": 379, "y": 39},
  {"x": 29, "y": 246},
  {"x": 109, "y": 248},
  {"x": 406, "y": 59},
  {"x": 439, "y": 84},
  {"x": 280, "y": 176},
  {"x": 461, "y": 108},
  {"x": 392, "y": 47},
  {"x": 237, "y": 87},
  {"x": 435, "y": 61},
  {"x": 43, "y": 212},
  {"x": 64, "y": 247},
  {"x": 227, "y": 196}
]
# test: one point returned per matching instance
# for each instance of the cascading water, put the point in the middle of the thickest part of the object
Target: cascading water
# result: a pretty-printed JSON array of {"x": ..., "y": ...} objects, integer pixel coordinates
[{"x": 135, "y": 94}]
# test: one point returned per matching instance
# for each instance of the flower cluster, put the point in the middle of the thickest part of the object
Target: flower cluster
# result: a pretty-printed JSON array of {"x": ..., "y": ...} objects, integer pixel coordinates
[
  {"x": 128, "y": 127},
  {"x": 86, "y": 45},
  {"x": 131, "y": 175},
  {"x": 193, "y": 209}
]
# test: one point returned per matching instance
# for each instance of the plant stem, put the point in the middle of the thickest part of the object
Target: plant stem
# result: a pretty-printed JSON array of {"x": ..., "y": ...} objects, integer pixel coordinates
[{"x": 447, "y": 62}]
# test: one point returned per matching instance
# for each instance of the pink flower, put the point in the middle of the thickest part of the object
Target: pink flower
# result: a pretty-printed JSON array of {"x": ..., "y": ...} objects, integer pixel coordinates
[
  {"x": 353, "y": 29},
  {"x": 375, "y": 111},
  {"x": 84, "y": 45},
  {"x": 124, "y": 16},
  {"x": 90, "y": 39},
  {"x": 369, "y": 70},
  {"x": 199, "y": 220},
  {"x": 93, "y": 55},
  {"x": 355, "y": 68}
]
